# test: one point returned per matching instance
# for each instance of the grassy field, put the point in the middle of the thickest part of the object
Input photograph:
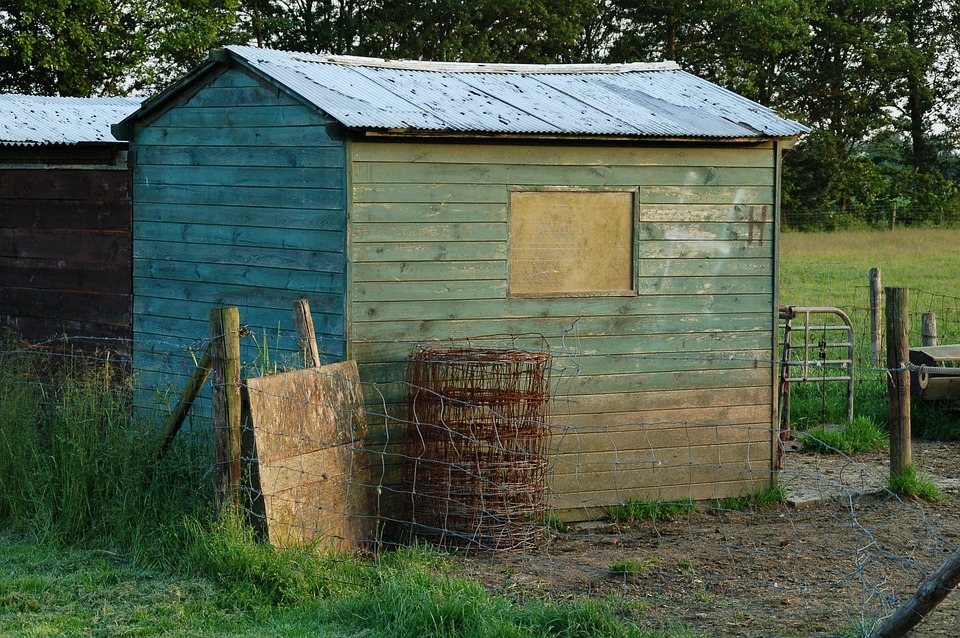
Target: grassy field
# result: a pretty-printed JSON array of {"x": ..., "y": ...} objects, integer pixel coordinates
[{"x": 832, "y": 269}]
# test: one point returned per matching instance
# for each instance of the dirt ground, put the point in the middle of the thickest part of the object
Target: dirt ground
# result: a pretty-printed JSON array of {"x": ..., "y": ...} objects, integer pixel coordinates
[{"x": 838, "y": 559}]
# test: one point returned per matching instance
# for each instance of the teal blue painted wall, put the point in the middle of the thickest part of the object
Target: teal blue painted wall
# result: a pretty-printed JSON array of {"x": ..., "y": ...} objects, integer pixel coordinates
[{"x": 239, "y": 201}]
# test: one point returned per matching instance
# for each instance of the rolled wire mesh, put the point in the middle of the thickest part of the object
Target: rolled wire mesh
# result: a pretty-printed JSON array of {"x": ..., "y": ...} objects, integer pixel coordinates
[{"x": 476, "y": 445}]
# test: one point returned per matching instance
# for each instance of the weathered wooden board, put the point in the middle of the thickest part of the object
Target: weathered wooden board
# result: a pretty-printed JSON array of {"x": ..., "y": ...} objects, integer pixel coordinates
[
  {"x": 249, "y": 156},
  {"x": 308, "y": 428},
  {"x": 65, "y": 253},
  {"x": 745, "y": 155},
  {"x": 571, "y": 242},
  {"x": 681, "y": 372},
  {"x": 571, "y": 175}
]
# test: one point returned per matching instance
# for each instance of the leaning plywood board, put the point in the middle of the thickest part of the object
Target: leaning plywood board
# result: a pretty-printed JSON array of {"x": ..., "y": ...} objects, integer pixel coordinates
[{"x": 309, "y": 471}]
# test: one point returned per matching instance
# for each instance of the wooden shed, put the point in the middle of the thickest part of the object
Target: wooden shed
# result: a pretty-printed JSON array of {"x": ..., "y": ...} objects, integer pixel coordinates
[
  {"x": 625, "y": 215},
  {"x": 65, "y": 214}
]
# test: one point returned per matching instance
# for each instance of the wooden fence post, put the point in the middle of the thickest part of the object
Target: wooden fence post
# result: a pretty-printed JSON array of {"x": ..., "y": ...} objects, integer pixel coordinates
[
  {"x": 915, "y": 610},
  {"x": 306, "y": 336},
  {"x": 876, "y": 300},
  {"x": 225, "y": 362},
  {"x": 928, "y": 334},
  {"x": 898, "y": 377},
  {"x": 187, "y": 397}
]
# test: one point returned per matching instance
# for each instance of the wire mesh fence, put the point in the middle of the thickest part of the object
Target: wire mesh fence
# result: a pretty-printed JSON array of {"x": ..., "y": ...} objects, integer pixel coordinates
[{"x": 807, "y": 544}]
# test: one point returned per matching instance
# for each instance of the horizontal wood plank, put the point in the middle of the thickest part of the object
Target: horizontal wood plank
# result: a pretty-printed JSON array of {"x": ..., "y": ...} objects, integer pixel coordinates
[
  {"x": 570, "y": 175},
  {"x": 67, "y": 214},
  {"x": 758, "y": 155},
  {"x": 310, "y": 260},
  {"x": 66, "y": 274},
  {"x": 68, "y": 184},
  {"x": 422, "y": 330},
  {"x": 304, "y": 198},
  {"x": 79, "y": 245},
  {"x": 278, "y": 136},
  {"x": 234, "y": 176},
  {"x": 242, "y": 236},
  {"x": 248, "y": 275},
  {"x": 173, "y": 154},
  {"x": 275, "y": 217},
  {"x": 563, "y": 307}
]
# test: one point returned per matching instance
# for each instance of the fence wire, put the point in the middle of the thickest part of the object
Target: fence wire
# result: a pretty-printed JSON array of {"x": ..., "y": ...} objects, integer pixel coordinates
[{"x": 834, "y": 551}]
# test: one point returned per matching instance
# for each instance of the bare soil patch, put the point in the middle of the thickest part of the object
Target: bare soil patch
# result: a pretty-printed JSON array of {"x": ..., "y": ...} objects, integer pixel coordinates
[{"x": 844, "y": 557}]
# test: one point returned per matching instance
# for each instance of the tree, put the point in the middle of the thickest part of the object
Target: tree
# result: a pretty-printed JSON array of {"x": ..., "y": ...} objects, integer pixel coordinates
[
  {"x": 928, "y": 66},
  {"x": 67, "y": 47},
  {"x": 739, "y": 44},
  {"x": 523, "y": 31},
  {"x": 105, "y": 47}
]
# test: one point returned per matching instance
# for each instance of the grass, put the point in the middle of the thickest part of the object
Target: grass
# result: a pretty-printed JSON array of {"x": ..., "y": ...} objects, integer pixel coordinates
[
  {"x": 635, "y": 510},
  {"x": 768, "y": 496},
  {"x": 861, "y": 435},
  {"x": 631, "y": 567},
  {"x": 832, "y": 269},
  {"x": 914, "y": 484}
]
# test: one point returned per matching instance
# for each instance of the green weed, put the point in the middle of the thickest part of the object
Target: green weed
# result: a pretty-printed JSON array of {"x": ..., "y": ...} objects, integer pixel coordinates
[
  {"x": 767, "y": 496},
  {"x": 915, "y": 484},
  {"x": 631, "y": 567},
  {"x": 635, "y": 510},
  {"x": 552, "y": 521},
  {"x": 860, "y": 435}
]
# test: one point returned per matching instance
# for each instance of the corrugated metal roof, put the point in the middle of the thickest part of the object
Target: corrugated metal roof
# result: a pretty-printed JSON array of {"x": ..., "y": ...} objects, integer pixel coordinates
[
  {"x": 32, "y": 120},
  {"x": 648, "y": 100}
]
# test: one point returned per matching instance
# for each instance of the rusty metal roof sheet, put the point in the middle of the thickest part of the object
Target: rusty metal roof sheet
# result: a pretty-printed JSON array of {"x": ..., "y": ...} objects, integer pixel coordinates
[
  {"x": 636, "y": 100},
  {"x": 32, "y": 120}
]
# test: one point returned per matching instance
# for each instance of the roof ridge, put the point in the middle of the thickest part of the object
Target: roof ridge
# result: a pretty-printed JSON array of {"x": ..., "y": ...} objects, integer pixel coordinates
[{"x": 502, "y": 68}]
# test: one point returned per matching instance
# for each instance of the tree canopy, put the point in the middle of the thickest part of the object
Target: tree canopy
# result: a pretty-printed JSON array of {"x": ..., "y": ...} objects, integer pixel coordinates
[{"x": 877, "y": 80}]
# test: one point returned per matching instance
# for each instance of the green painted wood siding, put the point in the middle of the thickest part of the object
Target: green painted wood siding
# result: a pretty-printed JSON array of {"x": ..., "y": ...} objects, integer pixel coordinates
[
  {"x": 239, "y": 200},
  {"x": 663, "y": 395}
]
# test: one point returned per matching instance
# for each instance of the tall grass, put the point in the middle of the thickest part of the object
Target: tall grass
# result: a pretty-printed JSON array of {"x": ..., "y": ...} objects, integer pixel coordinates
[
  {"x": 80, "y": 474},
  {"x": 79, "y": 467}
]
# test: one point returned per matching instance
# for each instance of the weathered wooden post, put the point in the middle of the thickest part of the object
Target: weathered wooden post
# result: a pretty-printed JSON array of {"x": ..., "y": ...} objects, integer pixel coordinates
[
  {"x": 187, "y": 397},
  {"x": 306, "y": 336},
  {"x": 923, "y": 602},
  {"x": 898, "y": 378},
  {"x": 225, "y": 363},
  {"x": 876, "y": 299},
  {"x": 928, "y": 333}
]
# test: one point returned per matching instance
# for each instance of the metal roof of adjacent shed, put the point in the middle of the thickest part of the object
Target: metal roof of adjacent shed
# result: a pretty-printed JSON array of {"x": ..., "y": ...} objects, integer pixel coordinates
[
  {"x": 634, "y": 100},
  {"x": 33, "y": 120}
]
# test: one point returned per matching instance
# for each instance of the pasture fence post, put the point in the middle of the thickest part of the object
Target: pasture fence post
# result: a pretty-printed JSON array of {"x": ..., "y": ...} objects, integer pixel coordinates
[
  {"x": 898, "y": 377},
  {"x": 225, "y": 360},
  {"x": 876, "y": 297},
  {"x": 306, "y": 336},
  {"x": 928, "y": 333}
]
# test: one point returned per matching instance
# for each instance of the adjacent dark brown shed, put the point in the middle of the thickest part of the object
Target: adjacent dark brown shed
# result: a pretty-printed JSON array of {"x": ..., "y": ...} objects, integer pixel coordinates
[{"x": 65, "y": 216}]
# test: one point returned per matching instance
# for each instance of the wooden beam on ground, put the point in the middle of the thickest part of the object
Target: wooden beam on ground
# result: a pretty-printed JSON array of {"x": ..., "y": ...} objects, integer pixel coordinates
[{"x": 921, "y": 604}]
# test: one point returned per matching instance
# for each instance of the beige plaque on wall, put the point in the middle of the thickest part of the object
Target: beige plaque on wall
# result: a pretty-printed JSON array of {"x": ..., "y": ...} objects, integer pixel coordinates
[{"x": 571, "y": 243}]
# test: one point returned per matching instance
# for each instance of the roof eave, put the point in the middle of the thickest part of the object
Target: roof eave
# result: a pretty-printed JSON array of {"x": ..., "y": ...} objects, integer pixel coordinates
[
  {"x": 123, "y": 130},
  {"x": 422, "y": 133}
]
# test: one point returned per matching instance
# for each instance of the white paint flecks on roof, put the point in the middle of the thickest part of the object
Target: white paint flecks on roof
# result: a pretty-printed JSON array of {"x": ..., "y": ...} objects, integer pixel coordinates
[
  {"x": 634, "y": 100},
  {"x": 33, "y": 120}
]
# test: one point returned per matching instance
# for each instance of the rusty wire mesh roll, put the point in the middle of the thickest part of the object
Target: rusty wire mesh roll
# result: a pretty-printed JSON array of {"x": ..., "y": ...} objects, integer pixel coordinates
[{"x": 477, "y": 441}]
